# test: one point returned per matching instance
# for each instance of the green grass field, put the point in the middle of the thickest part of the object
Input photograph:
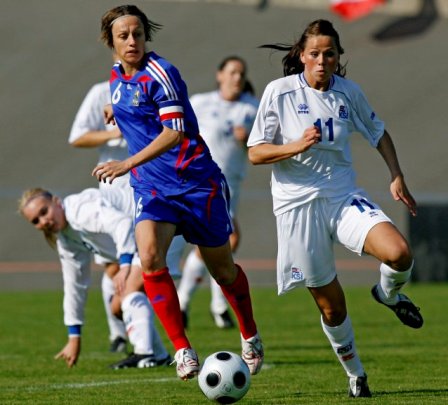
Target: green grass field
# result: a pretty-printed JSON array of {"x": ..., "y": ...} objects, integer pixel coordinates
[{"x": 405, "y": 366}]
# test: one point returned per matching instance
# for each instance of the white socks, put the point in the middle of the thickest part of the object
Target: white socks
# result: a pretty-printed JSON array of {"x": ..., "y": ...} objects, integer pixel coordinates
[
  {"x": 174, "y": 255},
  {"x": 192, "y": 275},
  {"x": 139, "y": 318},
  {"x": 218, "y": 304},
  {"x": 343, "y": 342},
  {"x": 116, "y": 326},
  {"x": 391, "y": 282}
]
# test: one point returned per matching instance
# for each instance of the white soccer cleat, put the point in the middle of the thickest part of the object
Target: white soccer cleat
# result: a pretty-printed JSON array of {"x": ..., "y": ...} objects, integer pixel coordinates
[
  {"x": 187, "y": 363},
  {"x": 252, "y": 353}
]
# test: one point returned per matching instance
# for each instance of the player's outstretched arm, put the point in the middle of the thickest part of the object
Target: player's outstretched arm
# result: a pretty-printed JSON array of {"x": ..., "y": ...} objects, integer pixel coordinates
[{"x": 398, "y": 187}]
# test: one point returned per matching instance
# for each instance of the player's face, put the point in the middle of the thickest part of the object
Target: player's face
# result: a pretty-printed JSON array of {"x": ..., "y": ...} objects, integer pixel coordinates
[
  {"x": 129, "y": 41},
  {"x": 320, "y": 58},
  {"x": 45, "y": 214},
  {"x": 231, "y": 79}
]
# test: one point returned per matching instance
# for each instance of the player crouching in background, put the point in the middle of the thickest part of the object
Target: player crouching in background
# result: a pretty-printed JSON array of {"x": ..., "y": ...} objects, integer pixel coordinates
[{"x": 101, "y": 223}]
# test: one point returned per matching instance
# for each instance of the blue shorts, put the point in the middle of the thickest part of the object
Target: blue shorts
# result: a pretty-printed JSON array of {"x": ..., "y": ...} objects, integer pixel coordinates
[{"x": 201, "y": 215}]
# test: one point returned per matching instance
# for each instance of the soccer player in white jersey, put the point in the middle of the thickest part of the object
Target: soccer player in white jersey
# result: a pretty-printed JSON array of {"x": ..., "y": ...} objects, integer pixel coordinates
[
  {"x": 303, "y": 128},
  {"x": 225, "y": 118},
  {"x": 99, "y": 222}
]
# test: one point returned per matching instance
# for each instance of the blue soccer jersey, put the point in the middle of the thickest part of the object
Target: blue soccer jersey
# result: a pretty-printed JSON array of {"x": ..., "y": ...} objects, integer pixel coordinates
[{"x": 143, "y": 104}]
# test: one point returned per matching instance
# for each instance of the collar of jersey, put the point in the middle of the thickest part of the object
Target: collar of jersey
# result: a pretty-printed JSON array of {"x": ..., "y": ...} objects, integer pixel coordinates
[
  {"x": 134, "y": 78},
  {"x": 304, "y": 83}
]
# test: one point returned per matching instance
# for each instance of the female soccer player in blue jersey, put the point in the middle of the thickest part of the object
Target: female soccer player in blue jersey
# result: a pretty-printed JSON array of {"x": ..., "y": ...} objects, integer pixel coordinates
[
  {"x": 303, "y": 127},
  {"x": 178, "y": 188}
]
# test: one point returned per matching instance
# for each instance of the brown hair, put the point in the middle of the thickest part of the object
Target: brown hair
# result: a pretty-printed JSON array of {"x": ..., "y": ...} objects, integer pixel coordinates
[
  {"x": 25, "y": 199},
  {"x": 292, "y": 63},
  {"x": 107, "y": 20}
]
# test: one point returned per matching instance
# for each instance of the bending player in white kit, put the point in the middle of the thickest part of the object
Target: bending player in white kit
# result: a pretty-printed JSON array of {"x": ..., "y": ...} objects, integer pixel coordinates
[
  {"x": 303, "y": 127},
  {"x": 99, "y": 222},
  {"x": 225, "y": 118}
]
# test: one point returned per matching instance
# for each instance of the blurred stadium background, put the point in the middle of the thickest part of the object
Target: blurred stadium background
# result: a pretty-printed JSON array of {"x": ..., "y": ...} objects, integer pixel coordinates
[{"x": 52, "y": 56}]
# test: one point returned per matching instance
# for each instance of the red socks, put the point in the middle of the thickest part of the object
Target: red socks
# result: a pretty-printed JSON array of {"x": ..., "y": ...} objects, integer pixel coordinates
[
  {"x": 239, "y": 299},
  {"x": 162, "y": 294}
]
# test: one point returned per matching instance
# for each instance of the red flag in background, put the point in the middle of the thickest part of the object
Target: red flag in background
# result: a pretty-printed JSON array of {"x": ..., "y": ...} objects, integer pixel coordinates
[{"x": 353, "y": 9}]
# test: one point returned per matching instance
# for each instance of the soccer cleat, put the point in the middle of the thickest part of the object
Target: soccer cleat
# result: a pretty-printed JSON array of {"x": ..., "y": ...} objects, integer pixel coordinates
[
  {"x": 118, "y": 345},
  {"x": 405, "y": 310},
  {"x": 224, "y": 320},
  {"x": 141, "y": 361},
  {"x": 358, "y": 387},
  {"x": 252, "y": 353},
  {"x": 187, "y": 363}
]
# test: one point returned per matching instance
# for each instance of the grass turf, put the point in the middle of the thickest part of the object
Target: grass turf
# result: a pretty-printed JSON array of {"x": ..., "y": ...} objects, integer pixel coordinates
[{"x": 404, "y": 366}]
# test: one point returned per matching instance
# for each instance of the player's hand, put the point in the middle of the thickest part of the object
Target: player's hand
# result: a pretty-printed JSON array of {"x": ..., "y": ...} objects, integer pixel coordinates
[
  {"x": 240, "y": 134},
  {"x": 120, "y": 279},
  {"x": 400, "y": 192},
  {"x": 310, "y": 137},
  {"x": 115, "y": 133},
  {"x": 108, "y": 171},
  {"x": 70, "y": 352},
  {"x": 108, "y": 114}
]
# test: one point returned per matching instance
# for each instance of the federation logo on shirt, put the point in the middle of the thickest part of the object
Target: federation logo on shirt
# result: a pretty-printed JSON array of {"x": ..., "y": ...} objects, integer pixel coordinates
[
  {"x": 303, "y": 109},
  {"x": 343, "y": 112},
  {"x": 136, "y": 98}
]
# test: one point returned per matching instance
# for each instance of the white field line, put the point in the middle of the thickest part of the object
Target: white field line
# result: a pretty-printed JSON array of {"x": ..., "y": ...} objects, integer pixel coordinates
[{"x": 76, "y": 386}]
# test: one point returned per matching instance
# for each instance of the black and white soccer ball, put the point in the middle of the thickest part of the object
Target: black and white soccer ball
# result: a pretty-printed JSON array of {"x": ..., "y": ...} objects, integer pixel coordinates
[{"x": 224, "y": 377}]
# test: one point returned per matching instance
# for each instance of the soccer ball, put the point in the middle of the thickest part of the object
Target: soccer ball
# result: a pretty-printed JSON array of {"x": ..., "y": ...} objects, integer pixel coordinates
[{"x": 224, "y": 377}]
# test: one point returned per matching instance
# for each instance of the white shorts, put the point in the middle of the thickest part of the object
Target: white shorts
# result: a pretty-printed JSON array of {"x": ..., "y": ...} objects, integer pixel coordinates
[{"x": 306, "y": 235}]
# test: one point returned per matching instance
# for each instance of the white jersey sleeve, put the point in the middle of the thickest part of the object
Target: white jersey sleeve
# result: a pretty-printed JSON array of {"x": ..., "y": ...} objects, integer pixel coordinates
[
  {"x": 75, "y": 263},
  {"x": 90, "y": 118}
]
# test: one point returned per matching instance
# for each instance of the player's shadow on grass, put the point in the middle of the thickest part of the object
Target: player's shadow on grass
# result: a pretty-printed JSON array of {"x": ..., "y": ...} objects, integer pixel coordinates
[{"x": 409, "y": 26}]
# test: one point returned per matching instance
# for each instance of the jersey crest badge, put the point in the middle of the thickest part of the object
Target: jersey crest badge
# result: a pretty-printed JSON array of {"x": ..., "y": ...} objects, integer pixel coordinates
[
  {"x": 343, "y": 112},
  {"x": 136, "y": 98}
]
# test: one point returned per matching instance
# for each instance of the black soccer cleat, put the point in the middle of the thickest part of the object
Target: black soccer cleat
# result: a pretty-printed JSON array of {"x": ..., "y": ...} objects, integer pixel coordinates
[
  {"x": 224, "y": 320},
  {"x": 358, "y": 387},
  {"x": 141, "y": 361},
  {"x": 405, "y": 310},
  {"x": 118, "y": 345}
]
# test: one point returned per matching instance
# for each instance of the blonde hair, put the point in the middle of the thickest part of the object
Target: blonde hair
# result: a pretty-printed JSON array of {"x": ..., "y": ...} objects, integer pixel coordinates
[{"x": 25, "y": 199}]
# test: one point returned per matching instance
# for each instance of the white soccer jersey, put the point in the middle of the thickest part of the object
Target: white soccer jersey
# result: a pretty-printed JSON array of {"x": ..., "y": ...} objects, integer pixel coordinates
[
  {"x": 289, "y": 106},
  {"x": 99, "y": 222},
  {"x": 90, "y": 118},
  {"x": 217, "y": 118}
]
